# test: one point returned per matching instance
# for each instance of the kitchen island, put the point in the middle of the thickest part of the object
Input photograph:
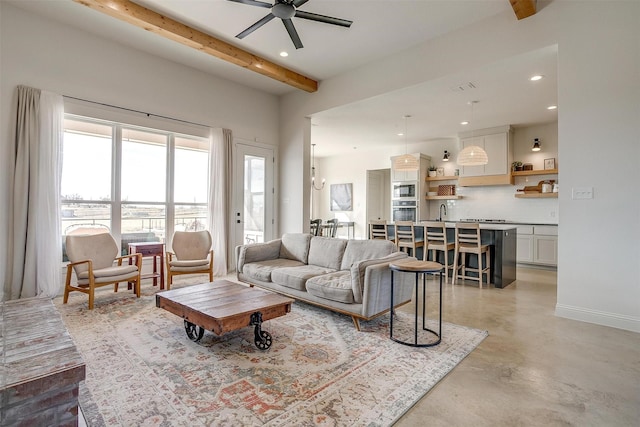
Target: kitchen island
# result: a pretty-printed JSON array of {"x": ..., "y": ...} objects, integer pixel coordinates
[{"x": 502, "y": 241}]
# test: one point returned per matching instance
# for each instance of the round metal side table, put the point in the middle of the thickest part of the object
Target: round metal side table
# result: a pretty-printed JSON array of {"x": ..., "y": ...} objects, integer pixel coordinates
[{"x": 424, "y": 268}]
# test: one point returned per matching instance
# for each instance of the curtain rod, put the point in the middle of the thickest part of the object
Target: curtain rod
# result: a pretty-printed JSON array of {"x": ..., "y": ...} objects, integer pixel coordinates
[{"x": 136, "y": 111}]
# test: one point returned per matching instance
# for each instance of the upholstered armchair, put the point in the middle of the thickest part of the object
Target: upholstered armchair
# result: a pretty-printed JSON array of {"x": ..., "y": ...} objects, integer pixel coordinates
[
  {"x": 92, "y": 257},
  {"x": 191, "y": 254}
]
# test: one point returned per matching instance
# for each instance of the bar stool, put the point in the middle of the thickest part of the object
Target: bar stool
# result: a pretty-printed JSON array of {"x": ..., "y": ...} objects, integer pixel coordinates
[
  {"x": 435, "y": 234},
  {"x": 406, "y": 237},
  {"x": 378, "y": 229},
  {"x": 468, "y": 242}
]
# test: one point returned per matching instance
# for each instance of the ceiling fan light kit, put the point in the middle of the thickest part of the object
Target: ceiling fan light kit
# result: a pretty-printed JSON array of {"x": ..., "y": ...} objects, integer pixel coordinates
[{"x": 285, "y": 10}]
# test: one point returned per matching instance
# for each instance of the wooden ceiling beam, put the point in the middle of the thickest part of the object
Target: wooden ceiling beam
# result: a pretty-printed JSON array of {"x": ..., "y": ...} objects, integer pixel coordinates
[
  {"x": 154, "y": 22},
  {"x": 523, "y": 8}
]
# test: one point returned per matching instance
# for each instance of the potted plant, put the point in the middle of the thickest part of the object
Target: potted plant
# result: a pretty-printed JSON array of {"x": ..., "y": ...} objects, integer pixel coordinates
[
  {"x": 433, "y": 171},
  {"x": 516, "y": 166}
]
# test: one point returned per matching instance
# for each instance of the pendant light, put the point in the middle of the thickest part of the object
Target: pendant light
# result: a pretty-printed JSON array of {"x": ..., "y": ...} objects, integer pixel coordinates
[
  {"x": 445, "y": 158},
  {"x": 536, "y": 145},
  {"x": 406, "y": 162},
  {"x": 313, "y": 169},
  {"x": 472, "y": 155}
]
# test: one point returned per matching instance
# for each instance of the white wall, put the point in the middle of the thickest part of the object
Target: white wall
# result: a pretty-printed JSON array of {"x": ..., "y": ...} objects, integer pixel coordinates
[
  {"x": 598, "y": 93},
  {"x": 47, "y": 55}
]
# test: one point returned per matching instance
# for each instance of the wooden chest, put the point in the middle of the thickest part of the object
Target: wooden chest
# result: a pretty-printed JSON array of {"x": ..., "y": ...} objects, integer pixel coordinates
[{"x": 41, "y": 367}]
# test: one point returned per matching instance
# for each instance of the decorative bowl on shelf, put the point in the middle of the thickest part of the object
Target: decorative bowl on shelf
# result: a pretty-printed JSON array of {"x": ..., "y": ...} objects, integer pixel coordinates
[{"x": 432, "y": 193}]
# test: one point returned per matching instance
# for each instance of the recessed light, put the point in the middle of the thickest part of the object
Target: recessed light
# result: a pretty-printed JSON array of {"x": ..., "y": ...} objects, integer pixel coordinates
[
  {"x": 464, "y": 123},
  {"x": 536, "y": 78},
  {"x": 552, "y": 107},
  {"x": 284, "y": 54},
  {"x": 400, "y": 134}
]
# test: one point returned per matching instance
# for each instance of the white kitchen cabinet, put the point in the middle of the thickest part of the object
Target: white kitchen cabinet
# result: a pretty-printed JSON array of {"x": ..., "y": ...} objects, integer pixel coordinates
[
  {"x": 524, "y": 252},
  {"x": 497, "y": 147},
  {"x": 545, "y": 250},
  {"x": 545, "y": 244},
  {"x": 497, "y": 143},
  {"x": 418, "y": 175},
  {"x": 537, "y": 244}
]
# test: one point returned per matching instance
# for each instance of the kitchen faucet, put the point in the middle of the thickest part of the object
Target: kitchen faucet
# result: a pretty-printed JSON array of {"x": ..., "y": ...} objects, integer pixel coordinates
[{"x": 442, "y": 205}]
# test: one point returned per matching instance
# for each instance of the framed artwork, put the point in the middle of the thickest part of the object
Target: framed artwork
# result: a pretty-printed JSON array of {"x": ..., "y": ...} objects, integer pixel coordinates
[
  {"x": 341, "y": 197},
  {"x": 549, "y": 163},
  {"x": 440, "y": 172}
]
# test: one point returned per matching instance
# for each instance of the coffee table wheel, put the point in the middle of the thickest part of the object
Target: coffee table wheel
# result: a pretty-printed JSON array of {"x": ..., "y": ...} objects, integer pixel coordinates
[
  {"x": 194, "y": 332},
  {"x": 263, "y": 342}
]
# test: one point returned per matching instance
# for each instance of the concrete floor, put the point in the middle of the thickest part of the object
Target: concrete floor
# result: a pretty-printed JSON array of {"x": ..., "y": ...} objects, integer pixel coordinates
[{"x": 534, "y": 369}]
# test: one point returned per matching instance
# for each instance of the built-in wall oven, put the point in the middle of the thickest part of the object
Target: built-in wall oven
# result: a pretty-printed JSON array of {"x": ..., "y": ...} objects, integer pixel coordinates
[
  {"x": 404, "y": 190},
  {"x": 404, "y": 210}
]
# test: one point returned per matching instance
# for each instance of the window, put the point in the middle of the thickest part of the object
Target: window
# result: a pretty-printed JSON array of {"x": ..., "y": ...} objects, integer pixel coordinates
[{"x": 141, "y": 183}]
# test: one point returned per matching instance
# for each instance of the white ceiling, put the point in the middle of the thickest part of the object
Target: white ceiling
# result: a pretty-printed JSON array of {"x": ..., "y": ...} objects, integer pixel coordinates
[{"x": 380, "y": 28}]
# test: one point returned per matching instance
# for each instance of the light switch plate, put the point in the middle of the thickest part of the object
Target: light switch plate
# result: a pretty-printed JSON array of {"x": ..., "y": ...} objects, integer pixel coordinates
[{"x": 582, "y": 193}]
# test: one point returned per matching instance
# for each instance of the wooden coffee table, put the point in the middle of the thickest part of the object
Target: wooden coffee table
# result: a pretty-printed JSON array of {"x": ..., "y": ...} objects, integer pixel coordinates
[{"x": 223, "y": 306}]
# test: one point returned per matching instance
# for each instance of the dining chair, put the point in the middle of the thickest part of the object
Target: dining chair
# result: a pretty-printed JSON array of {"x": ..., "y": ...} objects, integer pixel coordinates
[
  {"x": 435, "y": 234},
  {"x": 92, "y": 258},
  {"x": 468, "y": 242},
  {"x": 316, "y": 227},
  {"x": 406, "y": 239},
  {"x": 191, "y": 254},
  {"x": 332, "y": 230}
]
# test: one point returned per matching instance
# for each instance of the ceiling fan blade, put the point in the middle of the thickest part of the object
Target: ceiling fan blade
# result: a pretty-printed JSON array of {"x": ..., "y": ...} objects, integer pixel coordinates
[
  {"x": 298, "y": 3},
  {"x": 292, "y": 33},
  {"x": 255, "y": 26},
  {"x": 322, "y": 18},
  {"x": 254, "y": 3}
]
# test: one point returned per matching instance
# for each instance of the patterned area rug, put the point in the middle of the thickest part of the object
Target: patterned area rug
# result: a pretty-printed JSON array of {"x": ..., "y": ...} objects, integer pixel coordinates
[{"x": 142, "y": 370}]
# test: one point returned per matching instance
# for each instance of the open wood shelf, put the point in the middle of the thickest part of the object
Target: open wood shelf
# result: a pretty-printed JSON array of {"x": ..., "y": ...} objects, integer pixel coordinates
[
  {"x": 537, "y": 195},
  {"x": 443, "y": 197},
  {"x": 442, "y": 178},
  {"x": 535, "y": 172}
]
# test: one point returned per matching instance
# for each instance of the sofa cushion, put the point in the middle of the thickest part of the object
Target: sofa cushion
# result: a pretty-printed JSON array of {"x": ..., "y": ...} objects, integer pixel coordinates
[
  {"x": 295, "y": 246},
  {"x": 326, "y": 252},
  {"x": 334, "y": 286},
  {"x": 358, "y": 250},
  {"x": 262, "y": 270},
  {"x": 296, "y": 277}
]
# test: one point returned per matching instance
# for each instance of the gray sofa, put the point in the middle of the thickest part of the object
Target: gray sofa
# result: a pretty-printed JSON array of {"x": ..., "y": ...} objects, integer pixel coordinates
[{"x": 347, "y": 276}]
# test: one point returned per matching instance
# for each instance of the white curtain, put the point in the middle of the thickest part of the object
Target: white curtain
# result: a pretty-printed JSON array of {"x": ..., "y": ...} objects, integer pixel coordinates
[
  {"x": 219, "y": 198},
  {"x": 35, "y": 245}
]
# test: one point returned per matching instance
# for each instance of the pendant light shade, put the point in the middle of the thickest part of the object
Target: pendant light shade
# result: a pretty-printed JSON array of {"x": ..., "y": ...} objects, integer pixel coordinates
[
  {"x": 406, "y": 162},
  {"x": 472, "y": 156}
]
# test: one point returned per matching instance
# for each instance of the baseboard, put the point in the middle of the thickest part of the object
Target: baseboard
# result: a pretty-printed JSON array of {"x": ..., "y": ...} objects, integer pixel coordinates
[{"x": 628, "y": 323}]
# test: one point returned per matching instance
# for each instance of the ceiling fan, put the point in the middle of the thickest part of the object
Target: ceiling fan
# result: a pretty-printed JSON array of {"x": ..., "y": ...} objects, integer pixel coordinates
[{"x": 285, "y": 10}]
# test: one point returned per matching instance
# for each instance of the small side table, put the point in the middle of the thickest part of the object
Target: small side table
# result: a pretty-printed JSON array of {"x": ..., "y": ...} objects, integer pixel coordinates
[
  {"x": 418, "y": 267},
  {"x": 153, "y": 249}
]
